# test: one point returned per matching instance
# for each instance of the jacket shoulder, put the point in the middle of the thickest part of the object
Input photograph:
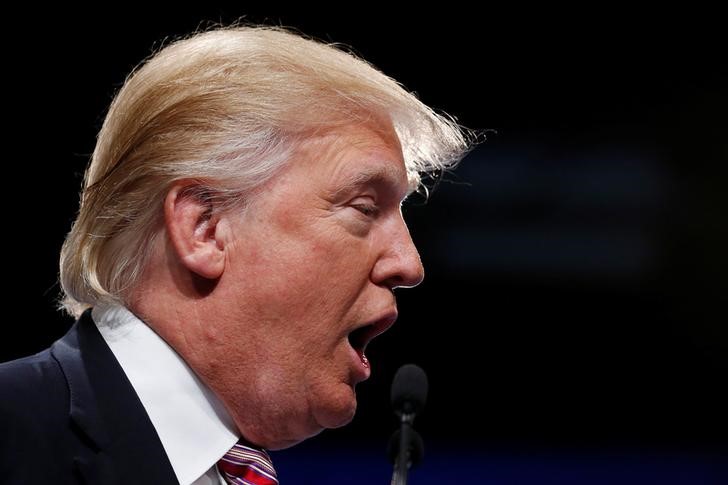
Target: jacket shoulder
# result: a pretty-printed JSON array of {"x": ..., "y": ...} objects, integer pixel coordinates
[
  {"x": 34, "y": 405},
  {"x": 30, "y": 382}
]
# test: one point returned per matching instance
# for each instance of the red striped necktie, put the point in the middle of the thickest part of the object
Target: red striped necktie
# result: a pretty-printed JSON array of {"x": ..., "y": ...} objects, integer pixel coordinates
[{"x": 247, "y": 466}]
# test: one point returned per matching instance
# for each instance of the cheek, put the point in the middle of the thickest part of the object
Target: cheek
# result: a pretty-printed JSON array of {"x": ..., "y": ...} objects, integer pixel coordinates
[
  {"x": 300, "y": 282},
  {"x": 319, "y": 255},
  {"x": 295, "y": 267}
]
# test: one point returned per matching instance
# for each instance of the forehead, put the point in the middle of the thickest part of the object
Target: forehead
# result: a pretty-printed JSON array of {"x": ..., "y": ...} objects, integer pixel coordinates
[{"x": 358, "y": 155}]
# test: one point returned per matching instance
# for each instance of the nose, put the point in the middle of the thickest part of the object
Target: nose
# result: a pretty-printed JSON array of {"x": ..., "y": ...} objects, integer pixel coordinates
[{"x": 399, "y": 264}]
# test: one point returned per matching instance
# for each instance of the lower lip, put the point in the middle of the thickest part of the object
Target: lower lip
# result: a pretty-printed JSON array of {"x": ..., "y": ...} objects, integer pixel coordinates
[{"x": 361, "y": 365}]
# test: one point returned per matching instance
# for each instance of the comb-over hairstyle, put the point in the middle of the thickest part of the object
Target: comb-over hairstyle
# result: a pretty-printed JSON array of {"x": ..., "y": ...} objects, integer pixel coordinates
[{"x": 225, "y": 108}]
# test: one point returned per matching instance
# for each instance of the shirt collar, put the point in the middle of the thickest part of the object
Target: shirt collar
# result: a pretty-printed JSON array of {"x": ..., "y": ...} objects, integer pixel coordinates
[{"x": 192, "y": 423}]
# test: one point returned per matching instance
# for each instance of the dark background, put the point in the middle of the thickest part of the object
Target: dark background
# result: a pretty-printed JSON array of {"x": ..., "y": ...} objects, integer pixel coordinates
[{"x": 576, "y": 285}]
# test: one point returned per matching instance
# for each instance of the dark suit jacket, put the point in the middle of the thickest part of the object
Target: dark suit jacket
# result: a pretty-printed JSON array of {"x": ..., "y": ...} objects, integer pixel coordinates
[{"x": 69, "y": 415}]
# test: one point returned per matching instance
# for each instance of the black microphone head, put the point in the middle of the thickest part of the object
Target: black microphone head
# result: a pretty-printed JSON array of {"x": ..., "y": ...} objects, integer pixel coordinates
[{"x": 409, "y": 389}]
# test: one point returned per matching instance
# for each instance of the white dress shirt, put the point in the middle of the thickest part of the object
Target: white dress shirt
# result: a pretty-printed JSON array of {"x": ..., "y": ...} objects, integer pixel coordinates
[{"x": 192, "y": 424}]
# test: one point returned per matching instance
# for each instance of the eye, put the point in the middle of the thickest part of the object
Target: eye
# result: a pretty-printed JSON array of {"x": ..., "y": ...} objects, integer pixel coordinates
[
  {"x": 366, "y": 205},
  {"x": 369, "y": 210}
]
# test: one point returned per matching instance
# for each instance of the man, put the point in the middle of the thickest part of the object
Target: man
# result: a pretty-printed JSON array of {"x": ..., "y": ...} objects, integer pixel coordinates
[{"x": 237, "y": 246}]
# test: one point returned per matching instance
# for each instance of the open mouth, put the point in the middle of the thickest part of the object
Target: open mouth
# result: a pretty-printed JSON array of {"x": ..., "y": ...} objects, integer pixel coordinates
[{"x": 360, "y": 337}]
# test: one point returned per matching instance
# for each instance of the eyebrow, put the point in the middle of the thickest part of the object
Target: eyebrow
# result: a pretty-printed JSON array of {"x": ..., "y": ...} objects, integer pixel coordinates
[{"x": 379, "y": 176}]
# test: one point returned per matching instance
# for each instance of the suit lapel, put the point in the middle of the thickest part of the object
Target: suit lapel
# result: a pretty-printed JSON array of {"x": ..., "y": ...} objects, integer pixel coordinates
[{"x": 123, "y": 446}]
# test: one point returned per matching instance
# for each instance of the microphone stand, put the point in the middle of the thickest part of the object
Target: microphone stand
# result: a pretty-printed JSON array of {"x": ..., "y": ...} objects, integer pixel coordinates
[
  {"x": 404, "y": 461},
  {"x": 405, "y": 449}
]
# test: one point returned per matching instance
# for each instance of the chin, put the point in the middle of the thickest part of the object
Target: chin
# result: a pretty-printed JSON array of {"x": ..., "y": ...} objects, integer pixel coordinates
[
  {"x": 284, "y": 437},
  {"x": 287, "y": 443},
  {"x": 333, "y": 415},
  {"x": 337, "y": 413}
]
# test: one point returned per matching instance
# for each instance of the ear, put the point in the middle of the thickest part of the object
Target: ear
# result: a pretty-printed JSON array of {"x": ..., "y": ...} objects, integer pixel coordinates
[{"x": 197, "y": 233}]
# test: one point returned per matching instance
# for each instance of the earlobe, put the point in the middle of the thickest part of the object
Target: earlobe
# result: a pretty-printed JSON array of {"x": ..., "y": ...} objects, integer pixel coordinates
[{"x": 194, "y": 230}]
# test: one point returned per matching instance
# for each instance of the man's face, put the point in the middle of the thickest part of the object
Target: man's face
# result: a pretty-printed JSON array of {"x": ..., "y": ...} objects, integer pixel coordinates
[{"x": 308, "y": 282}]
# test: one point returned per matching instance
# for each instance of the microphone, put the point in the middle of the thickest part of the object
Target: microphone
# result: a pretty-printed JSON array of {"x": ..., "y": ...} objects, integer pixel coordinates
[
  {"x": 408, "y": 396},
  {"x": 409, "y": 390}
]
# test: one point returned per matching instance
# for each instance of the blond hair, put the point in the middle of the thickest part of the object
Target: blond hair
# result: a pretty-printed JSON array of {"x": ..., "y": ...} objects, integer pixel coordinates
[{"x": 225, "y": 108}]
